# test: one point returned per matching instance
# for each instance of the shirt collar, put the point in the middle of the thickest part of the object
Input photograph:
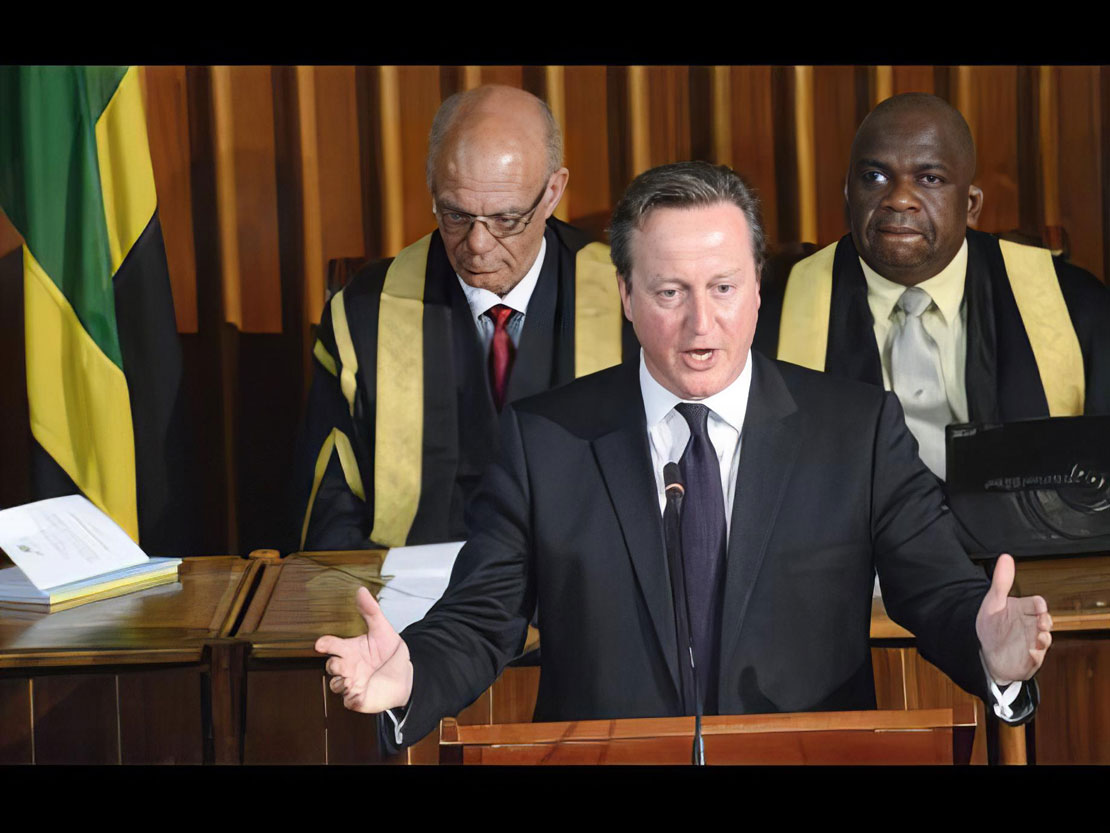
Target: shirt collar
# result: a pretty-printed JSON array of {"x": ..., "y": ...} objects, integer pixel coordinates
[
  {"x": 946, "y": 288},
  {"x": 480, "y": 300},
  {"x": 730, "y": 404}
]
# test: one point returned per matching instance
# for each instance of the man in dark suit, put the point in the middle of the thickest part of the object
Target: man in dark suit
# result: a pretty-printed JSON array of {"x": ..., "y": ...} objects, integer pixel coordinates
[{"x": 798, "y": 487}]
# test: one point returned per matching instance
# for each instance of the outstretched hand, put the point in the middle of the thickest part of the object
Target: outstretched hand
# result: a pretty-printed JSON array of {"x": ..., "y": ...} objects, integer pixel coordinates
[
  {"x": 373, "y": 671},
  {"x": 1014, "y": 633}
]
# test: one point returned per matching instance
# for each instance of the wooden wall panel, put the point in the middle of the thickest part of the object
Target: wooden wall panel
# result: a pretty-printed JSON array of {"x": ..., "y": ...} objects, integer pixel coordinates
[
  {"x": 836, "y": 116},
  {"x": 586, "y": 144},
  {"x": 420, "y": 98},
  {"x": 16, "y": 737},
  {"x": 247, "y": 192},
  {"x": 668, "y": 122},
  {"x": 160, "y": 719},
  {"x": 917, "y": 79},
  {"x": 167, "y": 118},
  {"x": 754, "y": 149},
  {"x": 987, "y": 96},
  {"x": 1073, "y": 721},
  {"x": 331, "y": 175},
  {"x": 76, "y": 719},
  {"x": 270, "y": 736},
  {"x": 1080, "y": 163}
]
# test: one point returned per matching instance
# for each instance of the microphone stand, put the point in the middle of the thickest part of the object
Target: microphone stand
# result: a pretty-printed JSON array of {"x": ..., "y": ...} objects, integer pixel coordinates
[{"x": 672, "y": 516}]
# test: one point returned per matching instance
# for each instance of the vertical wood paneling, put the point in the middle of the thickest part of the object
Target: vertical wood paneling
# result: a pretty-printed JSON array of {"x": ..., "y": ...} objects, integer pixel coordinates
[
  {"x": 990, "y": 98},
  {"x": 1074, "y": 716},
  {"x": 639, "y": 120},
  {"x": 167, "y": 119},
  {"x": 329, "y": 128},
  {"x": 392, "y": 162},
  {"x": 247, "y": 191},
  {"x": 1080, "y": 188},
  {"x": 586, "y": 137},
  {"x": 555, "y": 94},
  {"x": 668, "y": 120},
  {"x": 881, "y": 85},
  {"x": 421, "y": 98},
  {"x": 271, "y": 737},
  {"x": 16, "y": 739},
  {"x": 835, "y": 121},
  {"x": 76, "y": 719},
  {"x": 160, "y": 717},
  {"x": 753, "y": 138},
  {"x": 512, "y": 76},
  {"x": 721, "y": 94},
  {"x": 805, "y": 150},
  {"x": 1048, "y": 126},
  {"x": 912, "y": 80}
]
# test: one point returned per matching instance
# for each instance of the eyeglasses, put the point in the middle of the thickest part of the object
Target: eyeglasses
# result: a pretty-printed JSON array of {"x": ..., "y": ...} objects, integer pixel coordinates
[{"x": 499, "y": 225}]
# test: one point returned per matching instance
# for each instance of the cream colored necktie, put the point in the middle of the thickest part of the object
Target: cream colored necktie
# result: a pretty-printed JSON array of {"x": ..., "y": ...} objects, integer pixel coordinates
[{"x": 917, "y": 381}]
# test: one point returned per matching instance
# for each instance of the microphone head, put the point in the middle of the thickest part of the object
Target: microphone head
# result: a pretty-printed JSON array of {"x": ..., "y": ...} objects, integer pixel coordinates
[{"x": 672, "y": 478}]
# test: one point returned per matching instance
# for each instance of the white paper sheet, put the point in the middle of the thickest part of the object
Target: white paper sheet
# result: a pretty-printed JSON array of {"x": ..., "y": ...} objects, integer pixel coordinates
[
  {"x": 65, "y": 539},
  {"x": 416, "y": 577}
]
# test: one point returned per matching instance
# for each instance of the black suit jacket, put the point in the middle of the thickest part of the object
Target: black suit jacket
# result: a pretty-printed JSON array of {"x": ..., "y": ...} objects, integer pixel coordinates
[{"x": 829, "y": 488}]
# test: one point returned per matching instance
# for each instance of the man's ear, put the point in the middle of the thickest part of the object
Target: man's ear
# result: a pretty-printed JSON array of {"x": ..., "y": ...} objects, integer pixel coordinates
[
  {"x": 974, "y": 205},
  {"x": 556, "y": 186},
  {"x": 626, "y": 296}
]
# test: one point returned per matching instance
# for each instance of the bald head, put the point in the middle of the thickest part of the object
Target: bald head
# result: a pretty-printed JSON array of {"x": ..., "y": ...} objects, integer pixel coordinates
[
  {"x": 922, "y": 108},
  {"x": 495, "y": 119},
  {"x": 909, "y": 187},
  {"x": 494, "y": 160}
]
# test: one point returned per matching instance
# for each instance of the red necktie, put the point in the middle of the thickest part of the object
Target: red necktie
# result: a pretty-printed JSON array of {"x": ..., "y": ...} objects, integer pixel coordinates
[{"x": 500, "y": 353}]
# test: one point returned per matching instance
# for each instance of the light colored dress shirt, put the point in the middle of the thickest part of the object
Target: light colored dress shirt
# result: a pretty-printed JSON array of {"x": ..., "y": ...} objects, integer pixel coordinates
[
  {"x": 517, "y": 298},
  {"x": 668, "y": 431},
  {"x": 945, "y": 321}
]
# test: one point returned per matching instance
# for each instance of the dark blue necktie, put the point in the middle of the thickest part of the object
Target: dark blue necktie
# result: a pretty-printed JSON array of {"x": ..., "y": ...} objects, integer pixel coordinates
[{"x": 703, "y": 547}]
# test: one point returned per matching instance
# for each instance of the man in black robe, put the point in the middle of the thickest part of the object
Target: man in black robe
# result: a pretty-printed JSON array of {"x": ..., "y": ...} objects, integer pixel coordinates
[
  {"x": 1007, "y": 331},
  {"x": 416, "y": 356}
]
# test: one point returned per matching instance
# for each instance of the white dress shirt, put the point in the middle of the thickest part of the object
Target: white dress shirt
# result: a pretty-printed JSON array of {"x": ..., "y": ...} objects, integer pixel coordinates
[
  {"x": 668, "y": 431},
  {"x": 517, "y": 298},
  {"x": 945, "y": 321}
]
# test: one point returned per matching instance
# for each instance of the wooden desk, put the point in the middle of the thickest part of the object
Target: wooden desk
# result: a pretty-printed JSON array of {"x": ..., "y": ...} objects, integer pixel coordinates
[
  {"x": 291, "y": 714},
  {"x": 1073, "y": 722},
  {"x": 936, "y": 736},
  {"x": 141, "y": 678}
]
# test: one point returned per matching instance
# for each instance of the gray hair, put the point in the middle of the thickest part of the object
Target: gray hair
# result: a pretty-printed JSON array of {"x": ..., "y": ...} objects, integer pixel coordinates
[
  {"x": 681, "y": 185},
  {"x": 449, "y": 109}
]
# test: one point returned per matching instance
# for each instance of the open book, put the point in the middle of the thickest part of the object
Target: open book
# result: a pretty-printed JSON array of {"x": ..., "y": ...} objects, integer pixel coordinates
[{"x": 64, "y": 552}]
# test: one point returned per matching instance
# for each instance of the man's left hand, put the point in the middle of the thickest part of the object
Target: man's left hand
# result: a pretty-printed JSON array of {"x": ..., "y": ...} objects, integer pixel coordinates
[{"x": 1014, "y": 633}]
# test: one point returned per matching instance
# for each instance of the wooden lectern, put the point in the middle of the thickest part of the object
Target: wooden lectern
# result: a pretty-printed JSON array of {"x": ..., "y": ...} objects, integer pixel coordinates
[{"x": 923, "y": 736}]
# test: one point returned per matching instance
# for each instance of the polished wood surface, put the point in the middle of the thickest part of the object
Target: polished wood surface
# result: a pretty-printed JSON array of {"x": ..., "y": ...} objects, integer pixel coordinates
[
  {"x": 142, "y": 678},
  {"x": 170, "y": 623},
  {"x": 1072, "y": 724},
  {"x": 936, "y": 736}
]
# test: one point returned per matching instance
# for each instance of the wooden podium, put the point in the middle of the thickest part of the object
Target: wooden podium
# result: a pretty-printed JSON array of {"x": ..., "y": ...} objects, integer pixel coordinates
[{"x": 923, "y": 736}]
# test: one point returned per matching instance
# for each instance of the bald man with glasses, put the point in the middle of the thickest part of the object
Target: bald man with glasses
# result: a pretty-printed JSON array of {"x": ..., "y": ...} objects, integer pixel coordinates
[{"x": 417, "y": 355}]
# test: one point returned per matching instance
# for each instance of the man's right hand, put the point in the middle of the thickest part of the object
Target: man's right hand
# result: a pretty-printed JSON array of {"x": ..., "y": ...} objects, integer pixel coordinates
[{"x": 372, "y": 672}]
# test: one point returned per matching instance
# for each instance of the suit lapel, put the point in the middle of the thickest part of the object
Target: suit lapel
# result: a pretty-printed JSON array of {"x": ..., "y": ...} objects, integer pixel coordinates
[
  {"x": 625, "y": 462},
  {"x": 769, "y": 448}
]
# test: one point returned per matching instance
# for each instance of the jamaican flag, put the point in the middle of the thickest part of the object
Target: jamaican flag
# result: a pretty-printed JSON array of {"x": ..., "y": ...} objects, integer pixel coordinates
[{"x": 103, "y": 357}]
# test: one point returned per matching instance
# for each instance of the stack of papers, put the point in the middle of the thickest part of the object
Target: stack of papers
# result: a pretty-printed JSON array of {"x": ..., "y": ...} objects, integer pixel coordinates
[
  {"x": 415, "y": 579},
  {"x": 67, "y": 552}
]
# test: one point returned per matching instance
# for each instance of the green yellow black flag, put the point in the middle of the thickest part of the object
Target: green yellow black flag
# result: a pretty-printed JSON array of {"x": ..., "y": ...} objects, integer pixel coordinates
[{"x": 103, "y": 356}]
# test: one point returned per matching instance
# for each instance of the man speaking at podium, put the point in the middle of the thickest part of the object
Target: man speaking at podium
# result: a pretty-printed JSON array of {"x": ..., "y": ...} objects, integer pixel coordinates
[{"x": 798, "y": 486}]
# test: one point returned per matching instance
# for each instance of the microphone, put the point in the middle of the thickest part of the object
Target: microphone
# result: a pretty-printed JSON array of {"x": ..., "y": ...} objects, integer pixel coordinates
[{"x": 675, "y": 492}]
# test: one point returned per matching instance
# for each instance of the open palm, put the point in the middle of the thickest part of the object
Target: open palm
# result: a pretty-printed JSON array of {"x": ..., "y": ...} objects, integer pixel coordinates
[
  {"x": 1014, "y": 633},
  {"x": 371, "y": 671}
]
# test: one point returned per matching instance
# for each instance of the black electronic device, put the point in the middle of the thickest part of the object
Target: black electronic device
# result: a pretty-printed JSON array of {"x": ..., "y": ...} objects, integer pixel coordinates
[{"x": 1037, "y": 487}]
